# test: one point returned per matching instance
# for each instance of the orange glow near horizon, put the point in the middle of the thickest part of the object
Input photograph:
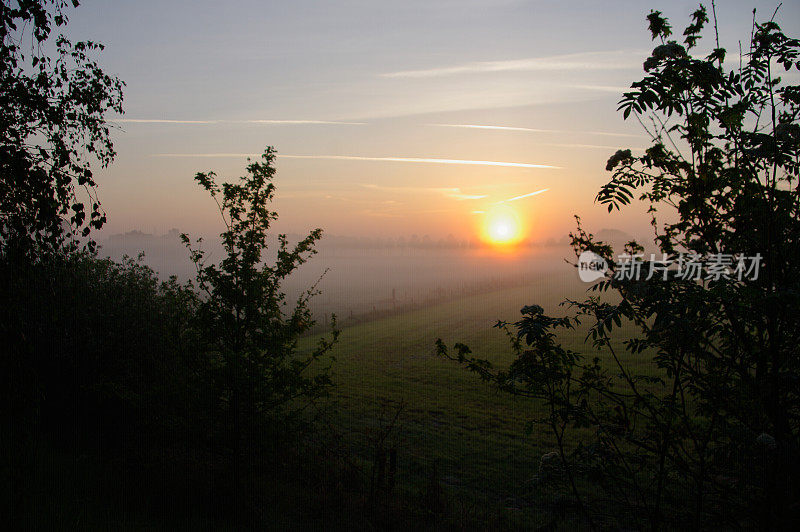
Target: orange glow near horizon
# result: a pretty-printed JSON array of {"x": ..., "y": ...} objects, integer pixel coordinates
[{"x": 502, "y": 227}]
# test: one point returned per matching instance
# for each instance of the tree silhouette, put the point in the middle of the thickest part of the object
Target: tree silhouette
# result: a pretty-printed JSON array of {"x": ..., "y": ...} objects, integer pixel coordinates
[
  {"x": 248, "y": 332},
  {"x": 53, "y": 101},
  {"x": 711, "y": 435}
]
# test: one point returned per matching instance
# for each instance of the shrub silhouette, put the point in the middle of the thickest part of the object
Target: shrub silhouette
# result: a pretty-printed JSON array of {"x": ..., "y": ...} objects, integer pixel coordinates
[
  {"x": 247, "y": 353},
  {"x": 711, "y": 437}
]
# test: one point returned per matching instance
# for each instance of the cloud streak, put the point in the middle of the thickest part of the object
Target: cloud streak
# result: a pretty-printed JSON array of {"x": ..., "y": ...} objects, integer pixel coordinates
[
  {"x": 461, "y": 197},
  {"x": 503, "y": 128},
  {"x": 617, "y": 89},
  {"x": 213, "y": 122},
  {"x": 528, "y": 195},
  {"x": 448, "y": 192},
  {"x": 299, "y": 122},
  {"x": 608, "y": 60},
  {"x": 423, "y": 160},
  {"x": 161, "y": 121},
  {"x": 589, "y": 146},
  {"x": 534, "y": 130}
]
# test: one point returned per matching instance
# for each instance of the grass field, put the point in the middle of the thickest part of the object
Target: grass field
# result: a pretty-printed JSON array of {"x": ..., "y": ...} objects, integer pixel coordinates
[{"x": 473, "y": 434}]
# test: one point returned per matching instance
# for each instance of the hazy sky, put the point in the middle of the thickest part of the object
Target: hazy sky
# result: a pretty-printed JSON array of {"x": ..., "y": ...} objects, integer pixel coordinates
[{"x": 372, "y": 107}]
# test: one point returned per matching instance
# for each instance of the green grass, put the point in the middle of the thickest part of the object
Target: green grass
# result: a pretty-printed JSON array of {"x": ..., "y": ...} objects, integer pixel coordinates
[{"x": 473, "y": 434}]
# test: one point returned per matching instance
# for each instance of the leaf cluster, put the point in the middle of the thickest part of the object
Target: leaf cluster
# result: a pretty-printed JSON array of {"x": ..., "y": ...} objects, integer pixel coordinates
[{"x": 53, "y": 101}]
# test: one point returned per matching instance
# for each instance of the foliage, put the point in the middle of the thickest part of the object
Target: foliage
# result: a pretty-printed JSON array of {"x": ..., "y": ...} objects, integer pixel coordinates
[
  {"x": 53, "y": 101},
  {"x": 130, "y": 325},
  {"x": 110, "y": 371},
  {"x": 94, "y": 353},
  {"x": 248, "y": 352},
  {"x": 166, "y": 384},
  {"x": 714, "y": 438}
]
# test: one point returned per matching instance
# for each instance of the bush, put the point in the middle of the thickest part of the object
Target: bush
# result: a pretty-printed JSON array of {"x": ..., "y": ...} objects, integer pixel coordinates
[
  {"x": 95, "y": 353},
  {"x": 247, "y": 352},
  {"x": 709, "y": 433}
]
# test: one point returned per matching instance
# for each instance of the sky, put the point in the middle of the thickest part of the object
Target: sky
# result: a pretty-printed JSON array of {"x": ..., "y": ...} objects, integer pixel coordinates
[{"x": 389, "y": 118}]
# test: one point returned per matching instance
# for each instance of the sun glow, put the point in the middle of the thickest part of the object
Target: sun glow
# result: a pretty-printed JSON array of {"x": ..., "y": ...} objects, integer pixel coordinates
[{"x": 502, "y": 226}]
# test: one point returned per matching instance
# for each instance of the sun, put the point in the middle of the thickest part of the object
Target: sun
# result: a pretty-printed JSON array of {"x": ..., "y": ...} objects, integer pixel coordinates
[
  {"x": 501, "y": 230},
  {"x": 502, "y": 226}
]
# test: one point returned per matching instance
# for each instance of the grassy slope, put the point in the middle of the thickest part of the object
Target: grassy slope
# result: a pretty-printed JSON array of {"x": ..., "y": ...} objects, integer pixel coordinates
[{"x": 474, "y": 435}]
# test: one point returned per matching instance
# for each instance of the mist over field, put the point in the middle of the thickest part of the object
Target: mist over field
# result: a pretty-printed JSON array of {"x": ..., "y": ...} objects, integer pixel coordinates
[{"x": 360, "y": 276}]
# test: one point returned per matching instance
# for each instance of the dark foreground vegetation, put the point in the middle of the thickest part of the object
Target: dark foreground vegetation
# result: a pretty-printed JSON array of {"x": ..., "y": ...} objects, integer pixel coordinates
[
  {"x": 712, "y": 439},
  {"x": 130, "y": 402}
]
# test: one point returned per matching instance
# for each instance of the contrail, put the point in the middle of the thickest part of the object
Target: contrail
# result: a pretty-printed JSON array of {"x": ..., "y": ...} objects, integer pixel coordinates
[
  {"x": 297, "y": 122},
  {"x": 589, "y": 146},
  {"x": 421, "y": 160},
  {"x": 535, "y": 130},
  {"x": 449, "y": 192},
  {"x": 607, "y": 60},
  {"x": 504, "y": 128},
  {"x": 528, "y": 195},
  {"x": 254, "y": 121},
  {"x": 162, "y": 121},
  {"x": 359, "y": 158}
]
